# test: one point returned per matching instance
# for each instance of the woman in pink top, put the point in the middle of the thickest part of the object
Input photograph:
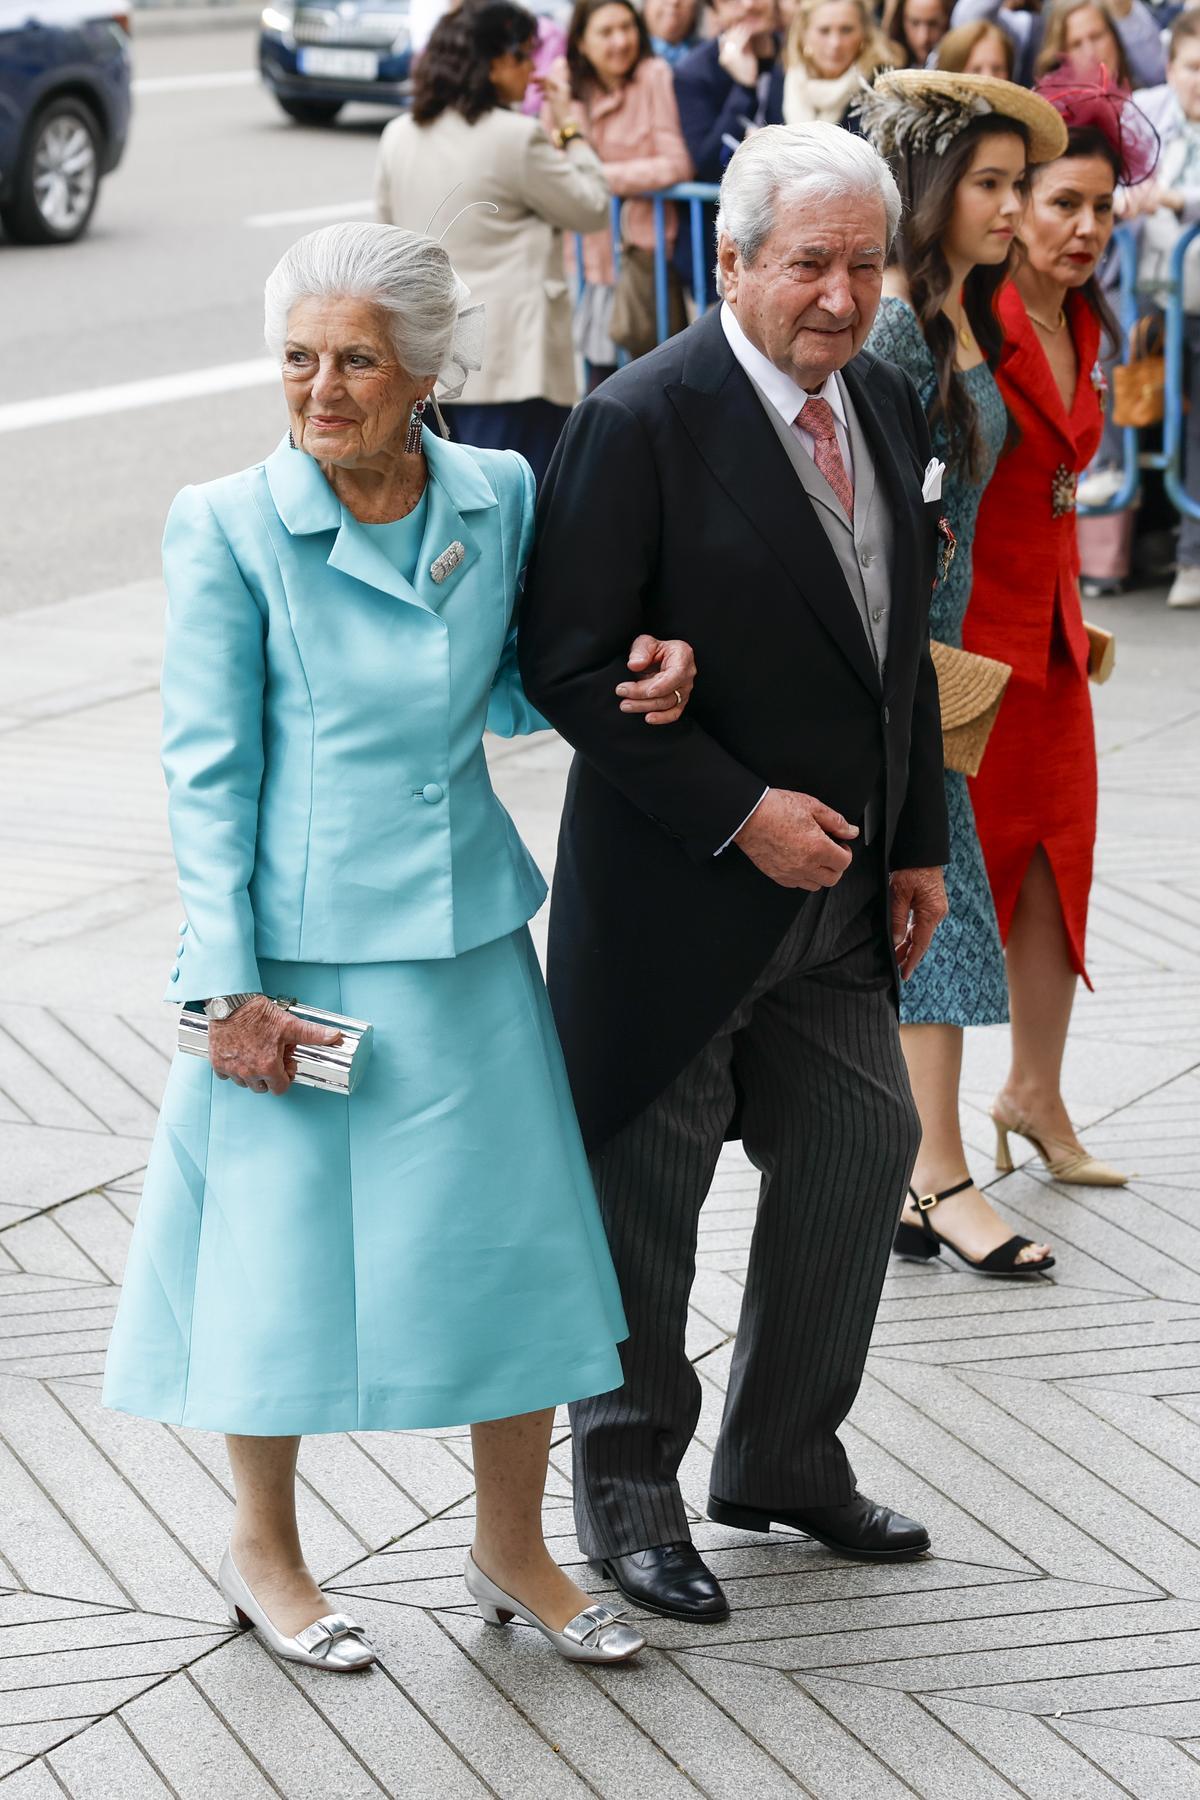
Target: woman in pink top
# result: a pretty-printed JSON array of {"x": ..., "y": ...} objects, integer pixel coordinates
[{"x": 625, "y": 106}]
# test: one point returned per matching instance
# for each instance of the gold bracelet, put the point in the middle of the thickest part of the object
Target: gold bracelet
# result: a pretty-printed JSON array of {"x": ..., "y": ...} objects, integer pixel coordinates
[{"x": 565, "y": 133}]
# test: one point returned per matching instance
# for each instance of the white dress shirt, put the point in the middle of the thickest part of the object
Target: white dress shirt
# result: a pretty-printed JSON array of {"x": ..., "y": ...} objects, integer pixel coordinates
[{"x": 786, "y": 396}]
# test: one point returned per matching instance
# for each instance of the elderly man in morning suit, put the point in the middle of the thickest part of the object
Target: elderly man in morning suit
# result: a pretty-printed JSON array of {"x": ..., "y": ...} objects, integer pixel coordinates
[{"x": 758, "y": 486}]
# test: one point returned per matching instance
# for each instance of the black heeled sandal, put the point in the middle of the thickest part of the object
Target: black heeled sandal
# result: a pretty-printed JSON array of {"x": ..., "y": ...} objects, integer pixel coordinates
[{"x": 921, "y": 1242}]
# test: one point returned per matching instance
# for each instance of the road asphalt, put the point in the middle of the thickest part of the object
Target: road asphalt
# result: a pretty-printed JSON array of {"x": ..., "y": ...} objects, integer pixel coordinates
[{"x": 165, "y": 287}]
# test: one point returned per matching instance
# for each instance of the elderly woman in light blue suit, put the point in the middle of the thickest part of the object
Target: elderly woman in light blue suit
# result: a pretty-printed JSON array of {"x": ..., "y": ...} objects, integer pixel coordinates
[{"x": 426, "y": 1251}]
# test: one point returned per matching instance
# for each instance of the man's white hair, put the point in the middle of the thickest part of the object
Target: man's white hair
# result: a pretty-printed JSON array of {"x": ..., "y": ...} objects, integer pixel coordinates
[
  {"x": 818, "y": 161},
  {"x": 408, "y": 276}
]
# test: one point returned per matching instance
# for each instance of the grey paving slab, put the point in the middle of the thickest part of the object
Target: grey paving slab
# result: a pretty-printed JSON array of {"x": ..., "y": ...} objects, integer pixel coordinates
[
  {"x": 1150, "y": 1768},
  {"x": 148, "y": 1565},
  {"x": 825, "y": 1759},
  {"x": 274, "y": 1722},
  {"x": 39, "y": 1245},
  {"x": 105, "y": 1760},
  {"x": 505, "y": 1750},
  {"x": 33, "y": 1782},
  {"x": 1026, "y": 1751},
  {"x": 177, "y": 1729},
  {"x": 918, "y": 1748},
  {"x": 589, "y": 1729},
  {"x": 78, "y": 1067},
  {"x": 44, "y": 1166}
]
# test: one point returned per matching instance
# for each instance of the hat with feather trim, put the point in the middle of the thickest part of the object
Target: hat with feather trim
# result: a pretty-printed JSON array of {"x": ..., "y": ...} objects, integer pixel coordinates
[{"x": 926, "y": 109}]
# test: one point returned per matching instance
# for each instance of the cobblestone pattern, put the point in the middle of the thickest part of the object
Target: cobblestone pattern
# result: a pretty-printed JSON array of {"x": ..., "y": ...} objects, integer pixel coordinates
[{"x": 1049, "y": 1435}]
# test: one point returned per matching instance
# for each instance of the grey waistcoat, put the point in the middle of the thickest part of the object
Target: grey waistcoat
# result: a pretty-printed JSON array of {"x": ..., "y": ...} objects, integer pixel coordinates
[{"x": 864, "y": 550}]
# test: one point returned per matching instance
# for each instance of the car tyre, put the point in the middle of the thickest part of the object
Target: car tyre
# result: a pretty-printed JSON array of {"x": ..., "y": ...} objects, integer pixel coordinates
[
  {"x": 57, "y": 178},
  {"x": 311, "y": 112}
]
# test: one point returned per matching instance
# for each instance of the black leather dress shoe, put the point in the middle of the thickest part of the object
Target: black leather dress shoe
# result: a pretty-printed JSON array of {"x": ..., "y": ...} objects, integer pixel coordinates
[
  {"x": 671, "y": 1580},
  {"x": 861, "y": 1528}
]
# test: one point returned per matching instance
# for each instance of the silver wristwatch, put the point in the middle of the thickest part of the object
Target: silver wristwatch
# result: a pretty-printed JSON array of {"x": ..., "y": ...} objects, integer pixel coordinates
[{"x": 222, "y": 1005}]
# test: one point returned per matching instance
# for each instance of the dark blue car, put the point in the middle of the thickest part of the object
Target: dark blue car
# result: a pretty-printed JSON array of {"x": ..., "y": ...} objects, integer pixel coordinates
[
  {"x": 64, "y": 113},
  {"x": 315, "y": 55}
]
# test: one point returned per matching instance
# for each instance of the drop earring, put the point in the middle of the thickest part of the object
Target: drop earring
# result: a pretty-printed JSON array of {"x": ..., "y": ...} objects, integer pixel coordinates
[{"x": 412, "y": 443}]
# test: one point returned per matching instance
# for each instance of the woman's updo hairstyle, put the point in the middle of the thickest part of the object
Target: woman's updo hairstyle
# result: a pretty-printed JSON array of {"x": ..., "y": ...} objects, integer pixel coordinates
[{"x": 408, "y": 276}]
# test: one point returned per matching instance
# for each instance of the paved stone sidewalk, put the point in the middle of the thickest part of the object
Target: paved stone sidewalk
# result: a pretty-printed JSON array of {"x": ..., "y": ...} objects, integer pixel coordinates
[{"x": 1050, "y": 1436}]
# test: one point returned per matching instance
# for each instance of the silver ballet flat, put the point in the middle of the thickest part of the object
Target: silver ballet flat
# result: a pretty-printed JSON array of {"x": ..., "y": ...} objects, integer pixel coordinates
[
  {"x": 596, "y": 1635},
  {"x": 334, "y": 1642}
]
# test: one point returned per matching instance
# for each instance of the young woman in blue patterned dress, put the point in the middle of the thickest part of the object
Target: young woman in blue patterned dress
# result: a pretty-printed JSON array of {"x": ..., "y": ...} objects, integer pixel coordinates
[{"x": 961, "y": 170}]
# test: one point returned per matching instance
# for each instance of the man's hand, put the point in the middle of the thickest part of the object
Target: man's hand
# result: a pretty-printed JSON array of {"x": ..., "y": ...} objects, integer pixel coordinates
[
  {"x": 797, "y": 841},
  {"x": 918, "y": 907},
  {"x": 663, "y": 695},
  {"x": 253, "y": 1046}
]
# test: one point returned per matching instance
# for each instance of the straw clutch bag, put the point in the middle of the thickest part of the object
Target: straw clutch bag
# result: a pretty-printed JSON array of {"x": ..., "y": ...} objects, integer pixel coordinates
[
  {"x": 1102, "y": 652},
  {"x": 970, "y": 689}
]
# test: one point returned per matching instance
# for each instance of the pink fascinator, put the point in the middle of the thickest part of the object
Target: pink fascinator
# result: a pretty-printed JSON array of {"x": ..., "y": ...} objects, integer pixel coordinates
[{"x": 1100, "y": 105}]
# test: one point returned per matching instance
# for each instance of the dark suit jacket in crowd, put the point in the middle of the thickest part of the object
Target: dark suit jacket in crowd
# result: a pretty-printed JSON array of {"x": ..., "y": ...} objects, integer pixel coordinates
[
  {"x": 671, "y": 507},
  {"x": 713, "y": 107}
]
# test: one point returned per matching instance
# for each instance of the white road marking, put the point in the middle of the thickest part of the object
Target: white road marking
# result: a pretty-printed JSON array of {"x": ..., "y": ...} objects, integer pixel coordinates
[
  {"x": 91, "y": 403},
  {"x": 181, "y": 84},
  {"x": 343, "y": 209}
]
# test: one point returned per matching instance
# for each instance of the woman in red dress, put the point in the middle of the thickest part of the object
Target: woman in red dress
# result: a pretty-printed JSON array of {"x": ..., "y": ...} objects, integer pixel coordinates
[{"x": 1035, "y": 795}]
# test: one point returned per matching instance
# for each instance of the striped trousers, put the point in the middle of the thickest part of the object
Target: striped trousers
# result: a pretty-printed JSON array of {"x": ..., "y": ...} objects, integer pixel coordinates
[{"x": 812, "y": 1058}]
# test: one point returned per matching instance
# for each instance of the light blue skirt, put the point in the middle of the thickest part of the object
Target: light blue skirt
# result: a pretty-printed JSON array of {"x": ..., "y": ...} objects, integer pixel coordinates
[{"x": 427, "y": 1252}]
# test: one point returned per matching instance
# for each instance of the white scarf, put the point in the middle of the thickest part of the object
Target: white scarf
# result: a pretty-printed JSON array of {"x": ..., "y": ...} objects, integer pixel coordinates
[{"x": 807, "y": 97}]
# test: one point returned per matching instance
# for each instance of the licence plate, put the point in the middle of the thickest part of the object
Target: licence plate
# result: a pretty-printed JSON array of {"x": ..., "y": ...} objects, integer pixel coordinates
[{"x": 340, "y": 65}]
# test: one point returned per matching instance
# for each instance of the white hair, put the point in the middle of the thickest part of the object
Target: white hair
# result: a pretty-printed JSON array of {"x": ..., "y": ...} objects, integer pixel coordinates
[
  {"x": 794, "y": 162},
  {"x": 407, "y": 275}
]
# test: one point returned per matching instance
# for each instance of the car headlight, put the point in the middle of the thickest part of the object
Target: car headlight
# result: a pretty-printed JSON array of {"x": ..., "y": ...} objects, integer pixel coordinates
[{"x": 278, "y": 17}]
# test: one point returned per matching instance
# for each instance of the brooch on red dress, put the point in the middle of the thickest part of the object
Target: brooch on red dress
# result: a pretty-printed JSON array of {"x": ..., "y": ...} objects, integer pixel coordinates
[
  {"x": 1062, "y": 491},
  {"x": 946, "y": 548}
]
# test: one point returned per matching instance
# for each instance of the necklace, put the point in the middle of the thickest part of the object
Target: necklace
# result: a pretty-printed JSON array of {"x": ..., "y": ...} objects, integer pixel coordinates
[{"x": 1045, "y": 324}]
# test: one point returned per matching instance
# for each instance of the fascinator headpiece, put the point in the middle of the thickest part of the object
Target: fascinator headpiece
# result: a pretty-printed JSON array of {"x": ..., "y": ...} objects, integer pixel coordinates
[{"x": 1100, "y": 105}]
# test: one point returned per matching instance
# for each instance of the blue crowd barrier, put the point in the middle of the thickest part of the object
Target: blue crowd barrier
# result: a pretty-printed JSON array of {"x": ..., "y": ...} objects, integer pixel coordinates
[{"x": 1131, "y": 305}]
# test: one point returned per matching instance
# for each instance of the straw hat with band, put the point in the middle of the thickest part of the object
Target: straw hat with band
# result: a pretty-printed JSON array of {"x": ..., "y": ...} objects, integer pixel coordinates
[{"x": 925, "y": 109}]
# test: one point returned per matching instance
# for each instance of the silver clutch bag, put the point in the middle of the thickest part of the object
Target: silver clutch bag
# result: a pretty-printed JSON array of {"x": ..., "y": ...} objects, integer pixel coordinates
[{"x": 336, "y": 1067}]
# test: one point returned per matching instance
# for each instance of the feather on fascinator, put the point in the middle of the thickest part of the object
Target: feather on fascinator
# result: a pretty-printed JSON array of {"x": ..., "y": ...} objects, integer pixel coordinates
[
  {"x": 1099, "y": 104},
  {"x": 924, "y": 110}
]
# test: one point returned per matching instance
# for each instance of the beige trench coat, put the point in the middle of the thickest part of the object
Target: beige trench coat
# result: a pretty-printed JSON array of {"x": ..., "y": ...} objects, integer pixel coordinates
[{"x": 511, "y": 259}]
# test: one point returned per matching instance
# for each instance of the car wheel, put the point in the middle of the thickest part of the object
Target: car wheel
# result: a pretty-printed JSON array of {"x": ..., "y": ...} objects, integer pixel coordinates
[
  {"x": 58, "y": 176},
  {"x": 312, "y": 112}
]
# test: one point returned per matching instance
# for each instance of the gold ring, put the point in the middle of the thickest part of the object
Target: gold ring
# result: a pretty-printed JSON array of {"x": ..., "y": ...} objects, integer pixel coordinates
[{"x": 678, "y": 698}]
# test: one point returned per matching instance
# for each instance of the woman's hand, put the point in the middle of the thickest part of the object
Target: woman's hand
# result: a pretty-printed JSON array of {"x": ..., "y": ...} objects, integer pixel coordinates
[
  {"x": 254, "y": 1045},
  {"x": 671, "y": 684},
  {"x": 556, "y": 91}
]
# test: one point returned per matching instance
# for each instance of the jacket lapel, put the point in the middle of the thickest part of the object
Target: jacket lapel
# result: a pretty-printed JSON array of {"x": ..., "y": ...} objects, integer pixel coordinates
[
  {"x": 723, "y": 415},
  {"x": 307, "y": 504}
]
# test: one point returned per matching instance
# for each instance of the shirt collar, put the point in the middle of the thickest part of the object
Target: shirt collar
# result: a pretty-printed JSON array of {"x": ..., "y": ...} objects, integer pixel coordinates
[{"x": 785, "y": 396}]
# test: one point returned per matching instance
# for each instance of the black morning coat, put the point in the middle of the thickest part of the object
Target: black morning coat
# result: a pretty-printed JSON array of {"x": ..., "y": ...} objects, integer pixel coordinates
[{"x": 671, "y": 507}]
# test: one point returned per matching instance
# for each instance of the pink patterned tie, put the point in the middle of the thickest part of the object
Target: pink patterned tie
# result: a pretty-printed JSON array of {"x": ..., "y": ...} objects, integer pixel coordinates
[{"x": 816, "y": 417}]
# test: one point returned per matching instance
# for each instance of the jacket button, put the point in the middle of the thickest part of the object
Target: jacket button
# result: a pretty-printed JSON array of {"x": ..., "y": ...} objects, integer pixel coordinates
[
  {"x": 432, "y": 793},
  {"x": 183, "y": 929},
  {"x": 175, "y": 973},
  {"x": 887, "y": 717},
  {"x": 179, "y": 953}
]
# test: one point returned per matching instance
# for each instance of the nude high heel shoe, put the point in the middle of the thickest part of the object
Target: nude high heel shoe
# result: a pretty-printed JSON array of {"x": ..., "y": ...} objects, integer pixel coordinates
[
  {"x": 1063, "y": 1161},
  {"x": 596, "y": 1635},
  {"x": 334, "y": 1642}
]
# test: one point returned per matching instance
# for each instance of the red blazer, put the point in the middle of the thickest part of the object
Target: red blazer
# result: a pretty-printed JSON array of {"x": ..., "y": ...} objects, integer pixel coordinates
[{"x": 1026, "y": 557}]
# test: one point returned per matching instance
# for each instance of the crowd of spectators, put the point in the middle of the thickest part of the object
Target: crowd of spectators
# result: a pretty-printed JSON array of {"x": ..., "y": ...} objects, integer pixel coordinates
[{"x": 634, "y": 96}]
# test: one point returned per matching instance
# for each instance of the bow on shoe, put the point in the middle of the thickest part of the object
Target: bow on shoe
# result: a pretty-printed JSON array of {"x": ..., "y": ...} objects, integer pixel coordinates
[
  {"x": 588, "y": 1627},
  {"x": 320, "y": 1637}
]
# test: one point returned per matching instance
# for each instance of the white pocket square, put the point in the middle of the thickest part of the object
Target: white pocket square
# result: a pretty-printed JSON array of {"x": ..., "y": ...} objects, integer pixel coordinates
[{"x": 931, "y": 487}]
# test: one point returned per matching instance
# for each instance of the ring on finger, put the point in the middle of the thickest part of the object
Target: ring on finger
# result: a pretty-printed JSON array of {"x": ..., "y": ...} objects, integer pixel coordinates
[{"x": 678, "y": 698}]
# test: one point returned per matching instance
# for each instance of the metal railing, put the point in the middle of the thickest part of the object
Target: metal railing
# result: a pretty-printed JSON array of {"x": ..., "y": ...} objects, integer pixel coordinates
[{"x": 1131, "y": 305}]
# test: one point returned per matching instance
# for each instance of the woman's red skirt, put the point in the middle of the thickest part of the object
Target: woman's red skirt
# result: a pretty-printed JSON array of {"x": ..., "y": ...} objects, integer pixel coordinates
[{"x": 1037, "y": 785}]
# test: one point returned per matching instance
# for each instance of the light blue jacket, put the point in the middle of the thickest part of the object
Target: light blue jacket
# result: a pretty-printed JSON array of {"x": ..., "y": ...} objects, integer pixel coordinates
[{"x": 323, "y": 719}]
